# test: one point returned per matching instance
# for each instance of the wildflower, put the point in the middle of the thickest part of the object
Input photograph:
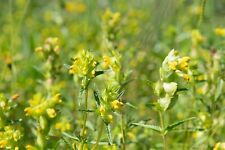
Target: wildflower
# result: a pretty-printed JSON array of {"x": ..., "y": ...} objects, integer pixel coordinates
[
  {"x": 166, "y": 91},
  {"x": 109, "y": 118},
  {"x": 39, "y": 105},
  {"x": 220, "y": 31},
  {"x": 172, "y": 65},
  {"x": 116, "y": 105},
  {"x": 186, "y": 77},
  {"x": 84, "y": 65},
  {"x": 183, "y": 63},
  {"x": 106, "y": 61},
  {"x": 3, "y": 143},
  {"x": 51, "y": 112},
  {"x": 219, "y": 146},
  {"x": 102, "y": 110},
  {"x": 30, "y": 147}
]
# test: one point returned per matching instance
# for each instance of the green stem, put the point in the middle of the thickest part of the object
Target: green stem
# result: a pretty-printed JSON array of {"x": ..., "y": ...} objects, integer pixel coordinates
[
  {"x": 83, "y": 134},
  {"x": 123, "y": 132},
  {"x": 202, "y": 12},
  {"x": 162, "y": 126},
  {"x": 99, "y": 136}
]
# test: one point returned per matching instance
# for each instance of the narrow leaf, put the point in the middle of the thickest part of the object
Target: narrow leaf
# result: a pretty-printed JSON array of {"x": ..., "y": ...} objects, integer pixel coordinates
[
  {"x": 97, "y": 99},
  {"x": 97, "y": 73},
  {"x": 70, "y": 136},
  {"x": 86, "y": 110},
  {"x": 131, "y": 105},
  {"x": 219, "y": 89},
  {"x": 109, "y": 134},
  {"x": 172, "y": 126},
  {"x": 153, "y": 127}
]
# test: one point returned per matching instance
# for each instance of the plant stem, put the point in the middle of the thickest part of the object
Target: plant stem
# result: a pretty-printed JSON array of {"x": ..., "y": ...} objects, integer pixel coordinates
[
  {"x": 123, "y": 132},
  {"x": 162, "y": 126},
  {"x": 84, "y": 118},
  {"x": 99, "y": 136}
]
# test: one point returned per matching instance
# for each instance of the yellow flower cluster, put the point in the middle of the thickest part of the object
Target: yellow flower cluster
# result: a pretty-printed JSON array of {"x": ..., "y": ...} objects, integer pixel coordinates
[
  {"x": 116, "y": 105},
  {"x": 9, "y": 137},
  {"x": 105, "y": 114},
  {"x": 41, "y": 106},
  {"x": 84, "y": 65},
  {"x": 177, "y": 64},
  {"x": 111, "y": 19},
  {"x": 110, "y": 103},
  {"x": 172, "y": 65}
]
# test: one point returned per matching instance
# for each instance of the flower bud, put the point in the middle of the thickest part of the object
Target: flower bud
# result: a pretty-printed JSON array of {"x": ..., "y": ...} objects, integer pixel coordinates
[{"x": 170, "y": 88}]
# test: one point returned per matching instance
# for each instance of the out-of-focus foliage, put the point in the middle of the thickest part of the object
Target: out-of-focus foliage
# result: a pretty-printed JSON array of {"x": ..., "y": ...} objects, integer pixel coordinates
[{"x": 102, "y": 74}]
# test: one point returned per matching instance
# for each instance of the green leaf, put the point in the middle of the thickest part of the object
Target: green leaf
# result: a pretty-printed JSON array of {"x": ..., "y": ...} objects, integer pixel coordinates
[
  {"x": 189, "y": 130},
  {"x": 130, "y": 105},
  {"x": 97, "y": 98},
  {"x": 97, "y": 73},
  {"x": 172, "y": 126},
  {"x": 153, "y": 127},
  {"x": 71, "y": 136},
  {"x": 181, "y": 89},
  {"x": 109, "y": 134},
  {"x": 219, "y": 89},
  {"x": 86, "y": 110}
]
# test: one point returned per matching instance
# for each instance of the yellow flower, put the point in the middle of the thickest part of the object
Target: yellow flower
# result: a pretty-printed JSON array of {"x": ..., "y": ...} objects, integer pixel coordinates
[
  {"x": 30, "y": 147},
  {"x": 220, "y": 31},
  {"x": 116, "y": 105},
  {"x": 84, "y": 65},
  {"x": 109, "y": 118},
  {"x": 186, "y": 77},
  {"x": 102, "y": 110},
  {"x": 183, "y": 63},
  {"x": 172, "y": 65},
  {"x": 106, "y": 62},
  {"x": 219, "y": 146},
  {"x": 3, "y": 143},
  {"x": 51, "y": 112},
  {"x": 39, "y": 105}
]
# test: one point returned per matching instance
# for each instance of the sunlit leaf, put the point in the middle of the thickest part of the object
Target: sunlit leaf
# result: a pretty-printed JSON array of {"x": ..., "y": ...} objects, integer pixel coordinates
[{"x": 153, "y": 127}]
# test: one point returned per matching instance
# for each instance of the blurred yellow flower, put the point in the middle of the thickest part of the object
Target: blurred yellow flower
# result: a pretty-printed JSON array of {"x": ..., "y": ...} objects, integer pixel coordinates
[
  {"x": 3, "y": 143},
  {"x": 116, "y": 105},
  {"x": 220, "y": 31},
  {"x": 51, "y": 112},
  {"x": 63, "y": 125},
  {"x": 219, "y": 146},
  {"x": 197, "y": 37},
  {"x": 78, "y": 7}
]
